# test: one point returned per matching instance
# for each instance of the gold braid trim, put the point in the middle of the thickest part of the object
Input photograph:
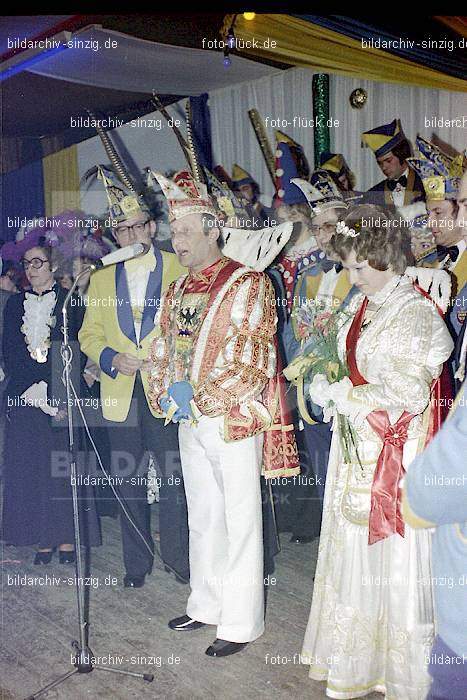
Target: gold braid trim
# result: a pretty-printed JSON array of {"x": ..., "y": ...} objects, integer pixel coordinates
[{"x": 160, "y": 365}]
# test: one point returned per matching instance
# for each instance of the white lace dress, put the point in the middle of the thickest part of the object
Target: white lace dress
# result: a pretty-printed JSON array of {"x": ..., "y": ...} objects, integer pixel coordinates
[{"x": 371, "y": 620}]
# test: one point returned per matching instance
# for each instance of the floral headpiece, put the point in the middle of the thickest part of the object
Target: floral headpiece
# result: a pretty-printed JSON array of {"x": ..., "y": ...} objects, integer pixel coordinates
[
  {"x": 345, "y": 230},
  {"x": 65, "y": 232}
]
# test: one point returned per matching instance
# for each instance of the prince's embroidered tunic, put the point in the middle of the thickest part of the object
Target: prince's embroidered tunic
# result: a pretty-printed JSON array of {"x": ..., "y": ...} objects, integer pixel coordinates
[{"x": 218, "y": 332}]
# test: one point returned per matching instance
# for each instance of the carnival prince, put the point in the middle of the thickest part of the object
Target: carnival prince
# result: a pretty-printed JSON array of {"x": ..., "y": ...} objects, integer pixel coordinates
[{"x": 212, "y": 366}]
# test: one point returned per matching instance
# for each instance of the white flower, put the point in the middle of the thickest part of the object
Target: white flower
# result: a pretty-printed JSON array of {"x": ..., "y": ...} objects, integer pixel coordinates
[{"x": 345, "y": 230}]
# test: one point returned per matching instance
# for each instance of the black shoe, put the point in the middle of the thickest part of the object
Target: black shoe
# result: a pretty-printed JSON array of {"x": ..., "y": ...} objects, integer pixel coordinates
[
  {"x": 301, "y": 539},
  {"x": 180, "y": 579},
  {"x": 43, "y": 557},
  {"x": 220, "y": 647},
  {"x": 133, "y": 581},
  {"x": 66, "y": 557},
  {"x": 185, "y": 624}
]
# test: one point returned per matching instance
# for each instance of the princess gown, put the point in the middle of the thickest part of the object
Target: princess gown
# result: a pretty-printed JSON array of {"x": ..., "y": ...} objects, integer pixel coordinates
[{"x": 371, "y": 620}]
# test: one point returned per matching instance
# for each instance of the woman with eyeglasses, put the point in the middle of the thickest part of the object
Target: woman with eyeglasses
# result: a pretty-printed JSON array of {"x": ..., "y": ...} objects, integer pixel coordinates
[{"x": 37, "y": 498}]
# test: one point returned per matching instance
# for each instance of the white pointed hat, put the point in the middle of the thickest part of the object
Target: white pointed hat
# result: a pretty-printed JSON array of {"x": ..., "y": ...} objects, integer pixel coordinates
[{"x": 185, "y": 195}]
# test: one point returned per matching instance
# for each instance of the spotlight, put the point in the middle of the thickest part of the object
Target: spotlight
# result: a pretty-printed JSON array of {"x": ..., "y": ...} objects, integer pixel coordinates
[{"x": 249, "y": 15}]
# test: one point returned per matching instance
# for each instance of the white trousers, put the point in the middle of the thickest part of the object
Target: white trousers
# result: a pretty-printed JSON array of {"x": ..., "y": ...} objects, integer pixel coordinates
[{"x": 222, "y": 484}]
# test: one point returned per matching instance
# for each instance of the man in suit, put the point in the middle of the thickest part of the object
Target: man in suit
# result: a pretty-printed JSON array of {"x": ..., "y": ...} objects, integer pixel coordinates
[
  {"x": 441, "y": 179},
  {"x": 117, "y": 333},
  {"x": 401, "y": 185}
]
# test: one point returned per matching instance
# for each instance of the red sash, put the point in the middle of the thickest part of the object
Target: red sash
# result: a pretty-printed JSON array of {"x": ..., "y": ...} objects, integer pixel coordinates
[
  {"x": 385, "y": 513},
  {"x": 280, "y": 451}
]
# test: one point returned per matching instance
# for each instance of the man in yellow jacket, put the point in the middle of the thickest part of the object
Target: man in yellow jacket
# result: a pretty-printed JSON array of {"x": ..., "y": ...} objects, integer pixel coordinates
[{"x": 117, "y": 334}]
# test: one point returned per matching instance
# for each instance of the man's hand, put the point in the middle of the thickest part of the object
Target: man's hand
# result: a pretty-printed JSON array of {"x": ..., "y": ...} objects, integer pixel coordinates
[
  {"x": 147, "y": 365},
  {"x": 126, "y": 363}
]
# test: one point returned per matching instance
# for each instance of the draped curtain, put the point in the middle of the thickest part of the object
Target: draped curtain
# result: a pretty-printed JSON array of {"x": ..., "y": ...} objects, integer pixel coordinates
[
  {"x": 288, "y": 94},
  {"x": 61, "y": 181},
  {"x": 22, "y": 193},
  {"x": 445, "y": 58},
  {"x": 302, "y": 43}
]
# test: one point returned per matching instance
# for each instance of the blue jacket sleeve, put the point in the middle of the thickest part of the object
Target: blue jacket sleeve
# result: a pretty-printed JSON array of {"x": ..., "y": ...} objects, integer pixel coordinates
[{"x": 436, "y": 481}]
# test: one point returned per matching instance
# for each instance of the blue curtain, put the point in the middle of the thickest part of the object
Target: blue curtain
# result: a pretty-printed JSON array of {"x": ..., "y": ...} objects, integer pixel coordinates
[
  {"x": 22, "y": 197},
  {"x": 446, "y": 58},
  {"x": 201, "y": 126}
]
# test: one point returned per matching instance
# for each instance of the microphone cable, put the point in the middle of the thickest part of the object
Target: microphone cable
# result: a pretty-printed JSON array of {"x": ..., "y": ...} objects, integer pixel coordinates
[{"x": 67, "y": 361}]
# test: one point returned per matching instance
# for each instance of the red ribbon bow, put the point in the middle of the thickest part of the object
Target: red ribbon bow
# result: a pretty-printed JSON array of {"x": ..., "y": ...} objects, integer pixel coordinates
[{"x": 385, "y": 514}]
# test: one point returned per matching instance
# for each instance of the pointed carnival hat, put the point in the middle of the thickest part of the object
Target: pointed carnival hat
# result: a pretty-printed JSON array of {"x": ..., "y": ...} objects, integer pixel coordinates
[
  {"x": 185, "y": 195},
  {"x": 241, "y": 177},
  {"x": 321, "y": 192},
  {"x": 290, "y": 163},
  {"x": 383, "y": 138},
  {"x": 422, "y": 241},
  {"x": 123, "y": 202},
  {"x": 440, "y": 174},
  {"x": 256, "y": 248},
  {"x": 223, "y": 194},
  {"x": 334, "y": 163}
]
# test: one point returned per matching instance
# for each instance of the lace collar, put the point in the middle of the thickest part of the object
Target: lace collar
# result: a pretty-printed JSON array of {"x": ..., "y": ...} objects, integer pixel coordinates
[
  {"x": 31, "y": 292},
  {"x": 38, "y": 320}
]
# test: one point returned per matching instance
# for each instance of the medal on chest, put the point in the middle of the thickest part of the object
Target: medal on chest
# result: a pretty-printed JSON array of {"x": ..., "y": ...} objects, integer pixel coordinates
[{"x": 188, "y": 318}]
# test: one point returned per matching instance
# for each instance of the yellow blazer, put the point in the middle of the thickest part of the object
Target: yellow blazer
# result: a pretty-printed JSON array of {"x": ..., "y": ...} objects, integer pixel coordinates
[{"x": 108, "y": 329}]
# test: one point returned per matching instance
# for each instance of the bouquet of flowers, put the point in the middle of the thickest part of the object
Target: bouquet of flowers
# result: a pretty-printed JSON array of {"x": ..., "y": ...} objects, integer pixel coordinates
[{"x": 317, "y": 325}]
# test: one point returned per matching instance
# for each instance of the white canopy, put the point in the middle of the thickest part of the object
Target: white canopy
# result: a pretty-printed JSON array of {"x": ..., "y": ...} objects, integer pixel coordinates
[{"x": 110, "y": 59}]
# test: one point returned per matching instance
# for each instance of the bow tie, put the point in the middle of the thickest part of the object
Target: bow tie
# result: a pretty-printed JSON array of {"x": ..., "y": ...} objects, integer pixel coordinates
[
  {"x": 442, "y": 251},
  {"x": 32, "y": 293},
  {"x": 392, "y": 184}
]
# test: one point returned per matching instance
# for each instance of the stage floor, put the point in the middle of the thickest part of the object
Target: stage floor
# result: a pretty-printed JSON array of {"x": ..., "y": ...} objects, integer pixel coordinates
[{"x": 128, "y": 630}]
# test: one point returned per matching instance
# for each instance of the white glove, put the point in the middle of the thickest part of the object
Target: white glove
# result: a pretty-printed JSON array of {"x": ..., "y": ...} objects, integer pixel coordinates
[
  {"x": 36, "y": 396},
  {"x": 339, "y": 391},
  {"x": 320, "y": 393},
  {"x": 346, "y": 406},
  {"x": 319, "y": 390}
]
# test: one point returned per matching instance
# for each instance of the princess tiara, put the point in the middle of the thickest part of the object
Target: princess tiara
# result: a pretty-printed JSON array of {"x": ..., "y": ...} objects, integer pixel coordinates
[{"x": 345, "y": 230}]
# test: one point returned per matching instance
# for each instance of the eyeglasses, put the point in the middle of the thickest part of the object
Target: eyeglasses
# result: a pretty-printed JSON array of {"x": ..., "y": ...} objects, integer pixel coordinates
[
  {"x": 136, "y": 228},
  {"x": 326, "y": 228},
  {"x": 36, "y": 263}
]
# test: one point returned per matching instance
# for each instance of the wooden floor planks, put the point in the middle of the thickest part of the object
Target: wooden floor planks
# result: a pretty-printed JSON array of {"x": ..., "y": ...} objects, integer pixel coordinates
[{"x": 39, "y": 622}]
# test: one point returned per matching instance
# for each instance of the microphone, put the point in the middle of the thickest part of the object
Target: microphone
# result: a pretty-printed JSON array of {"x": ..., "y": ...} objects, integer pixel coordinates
[{"x": 127, "y": 253}]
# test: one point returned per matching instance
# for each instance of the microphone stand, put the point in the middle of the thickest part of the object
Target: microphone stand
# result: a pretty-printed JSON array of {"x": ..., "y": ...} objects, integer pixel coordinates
[{"x": 84, "y": 658}]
